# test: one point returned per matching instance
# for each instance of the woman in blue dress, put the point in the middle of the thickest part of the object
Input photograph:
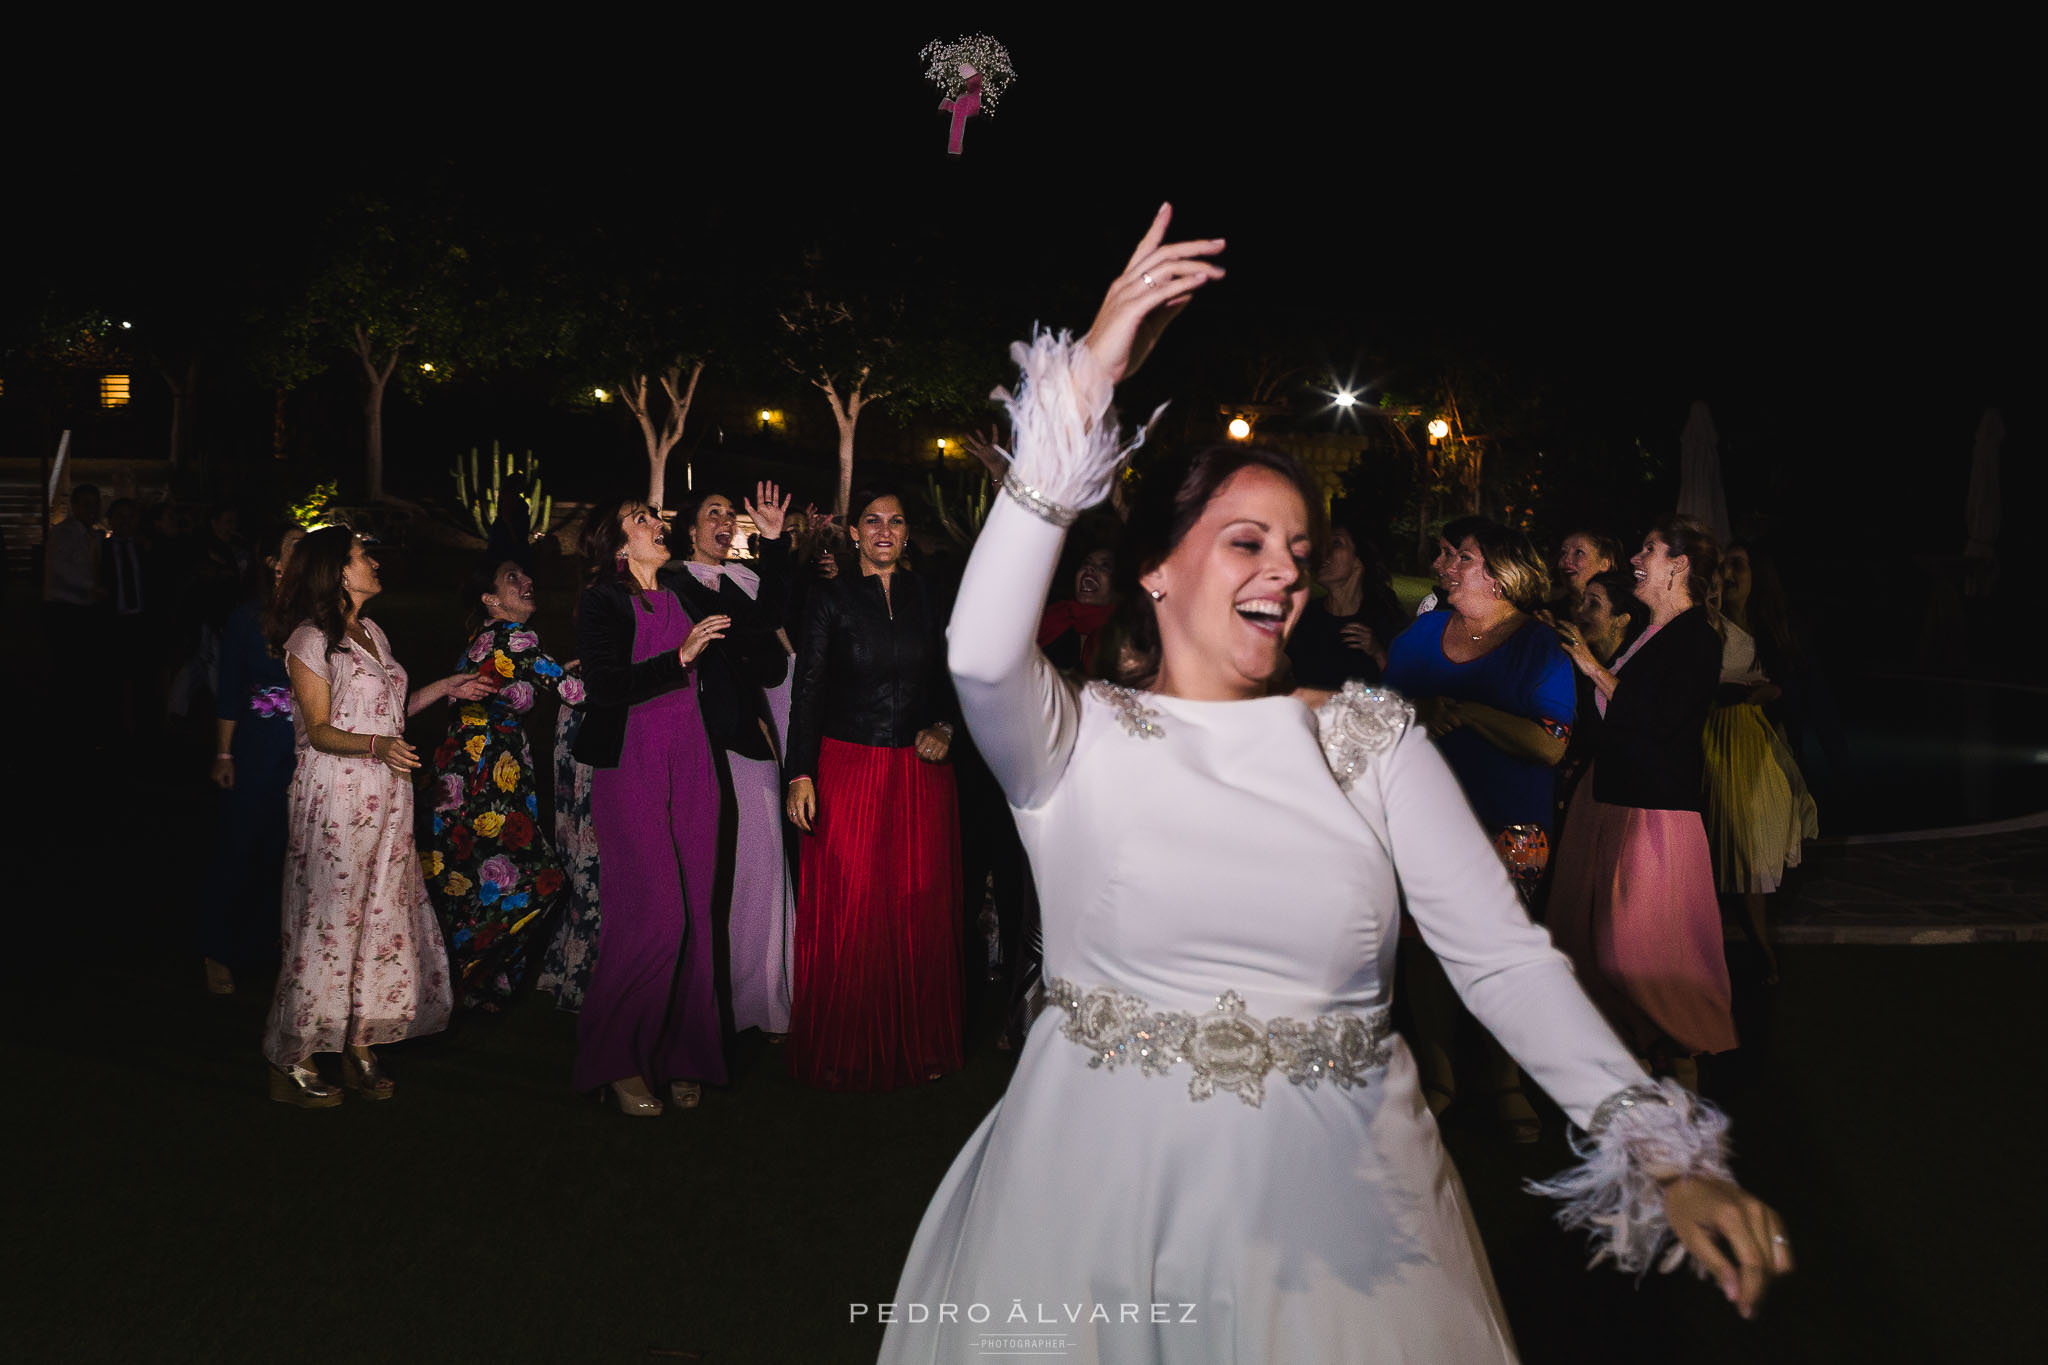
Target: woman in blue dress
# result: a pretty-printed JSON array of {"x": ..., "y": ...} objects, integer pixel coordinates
[
  {"x": 252, "y": 765},
  {"x": 1497, "y": 693}
]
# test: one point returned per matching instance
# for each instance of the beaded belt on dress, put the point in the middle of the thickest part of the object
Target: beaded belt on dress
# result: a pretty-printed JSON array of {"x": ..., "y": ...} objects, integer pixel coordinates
[{"x": 1227, "y": 1049}]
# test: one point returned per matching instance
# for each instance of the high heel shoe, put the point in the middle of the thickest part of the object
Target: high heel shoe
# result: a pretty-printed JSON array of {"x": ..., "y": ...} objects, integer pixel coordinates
[
  {"x": 365, "y": 1077},
  {"x": 301, "y": 1086},
  {"x": 685, "y": 1094},
  {"x": 641, "y": 1106}
]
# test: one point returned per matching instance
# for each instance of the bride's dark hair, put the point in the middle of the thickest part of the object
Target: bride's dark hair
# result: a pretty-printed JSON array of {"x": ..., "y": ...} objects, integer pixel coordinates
[{"x": 1170, "y": 500}]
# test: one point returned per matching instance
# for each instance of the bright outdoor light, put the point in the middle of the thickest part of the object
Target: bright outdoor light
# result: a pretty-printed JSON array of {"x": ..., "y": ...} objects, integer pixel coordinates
[
  {"x": 767, "y": 416},
  {"x": 1345, "y": 398},
  {"x": 1239, "y": 429},
  {"x": 126, "y": 325},
  {"x": 600, "y": 395},
  {"x": 942, "y": 443},
  {"x": 1438, "y": 429},
  {"x": 426, "y": 367}
]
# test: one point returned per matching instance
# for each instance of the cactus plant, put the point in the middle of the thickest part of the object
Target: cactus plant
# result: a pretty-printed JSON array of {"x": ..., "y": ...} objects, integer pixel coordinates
[
  {"x": 974, "y": 504},
  {"x": 481, "y": 499}
]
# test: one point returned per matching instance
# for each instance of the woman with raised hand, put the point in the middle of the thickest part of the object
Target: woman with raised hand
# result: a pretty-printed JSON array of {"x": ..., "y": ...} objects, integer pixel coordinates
[
  {"x": 745, "y": 695},
  {"x": 1633, "y": 900},
  {"x": 878, "y": 992},
  {"x": 651, "y": 1015},
  {"x": 363, "y": 961},
  {"x": 1216, "y": 1112},
  {"x": 489, "y": 864}
]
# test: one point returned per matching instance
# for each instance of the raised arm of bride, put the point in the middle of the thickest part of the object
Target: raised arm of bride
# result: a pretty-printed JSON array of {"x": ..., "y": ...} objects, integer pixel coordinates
[{"x": 1067, "y": 455}]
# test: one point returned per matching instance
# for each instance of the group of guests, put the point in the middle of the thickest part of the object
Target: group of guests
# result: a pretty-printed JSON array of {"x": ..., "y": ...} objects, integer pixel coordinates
[
  {"x": 1610, "y": 732},
  {"x": 755, "y": 823},
  {"x": 124, "y": 579}
]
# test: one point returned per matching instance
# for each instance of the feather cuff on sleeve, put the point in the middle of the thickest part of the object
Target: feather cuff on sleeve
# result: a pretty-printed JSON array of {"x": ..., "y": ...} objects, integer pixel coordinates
[
  {"x": 1065, "y": 455},
  {"x": 1638, "y": 1138}
]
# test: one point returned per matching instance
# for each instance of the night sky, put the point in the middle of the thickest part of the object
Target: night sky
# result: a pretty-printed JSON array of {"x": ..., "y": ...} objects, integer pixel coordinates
[{"x": 1820, "y": 236}]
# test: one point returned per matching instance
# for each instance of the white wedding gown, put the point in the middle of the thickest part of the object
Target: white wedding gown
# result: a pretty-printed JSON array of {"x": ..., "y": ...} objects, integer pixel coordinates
[{"x": 1185, "y": 850}]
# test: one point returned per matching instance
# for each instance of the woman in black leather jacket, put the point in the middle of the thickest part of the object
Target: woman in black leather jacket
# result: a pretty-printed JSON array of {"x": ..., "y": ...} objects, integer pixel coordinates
[{"x": 877, "y": 1002}]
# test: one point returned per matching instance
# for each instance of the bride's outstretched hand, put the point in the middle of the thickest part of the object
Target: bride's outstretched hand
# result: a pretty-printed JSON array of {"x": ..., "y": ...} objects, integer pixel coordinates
[
  {"x": 1735, "y": 1237},
  {"x": 1160, "y": 279}
]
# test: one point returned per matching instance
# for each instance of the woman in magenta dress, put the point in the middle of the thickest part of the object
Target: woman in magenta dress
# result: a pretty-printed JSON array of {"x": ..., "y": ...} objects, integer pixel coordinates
[
  {"x": 651, "y": 1017},
  {"x": 363, "y": 962},
  {"x": 877, "y": 1003},
  {"x": 1634, "y": 901}
]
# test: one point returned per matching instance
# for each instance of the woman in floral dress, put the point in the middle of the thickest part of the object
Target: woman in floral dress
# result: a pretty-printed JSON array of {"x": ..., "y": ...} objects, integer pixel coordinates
[
  {"x": 490, "y": 869},
  {"x": 363, "y": 962}
]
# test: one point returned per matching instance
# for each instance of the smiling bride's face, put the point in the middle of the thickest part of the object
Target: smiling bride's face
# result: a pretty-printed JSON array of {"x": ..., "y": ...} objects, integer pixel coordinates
[{"x": 1231, "y": 592}]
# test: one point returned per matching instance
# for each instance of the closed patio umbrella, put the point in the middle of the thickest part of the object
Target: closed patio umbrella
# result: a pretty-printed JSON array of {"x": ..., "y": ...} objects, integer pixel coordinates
[
  {"x": 1981, "y": 512},
  {"x": 1699, "y": 473}
]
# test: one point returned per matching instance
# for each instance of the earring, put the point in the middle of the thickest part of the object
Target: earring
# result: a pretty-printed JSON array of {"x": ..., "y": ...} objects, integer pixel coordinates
[
  {"x": 621, "y": 561},
  {"x": 1496, "y": 592},
  {"x": 1157, "y": 593}
]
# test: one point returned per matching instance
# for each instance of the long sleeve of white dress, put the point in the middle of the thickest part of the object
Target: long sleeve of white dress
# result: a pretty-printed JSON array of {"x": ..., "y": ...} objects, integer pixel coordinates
[
  {"x": 1019, "y": 709},
  {"x": 1503, "y": 966},
  {"x": 1021, "y": 712}
]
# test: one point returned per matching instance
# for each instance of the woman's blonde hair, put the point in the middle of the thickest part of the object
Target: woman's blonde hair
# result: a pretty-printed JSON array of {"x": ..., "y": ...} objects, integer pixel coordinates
[{"x": 1513, "y": 564}]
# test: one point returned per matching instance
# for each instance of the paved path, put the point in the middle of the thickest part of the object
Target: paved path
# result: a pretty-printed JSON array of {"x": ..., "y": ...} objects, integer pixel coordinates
[{"x": 1988, "y": 888}]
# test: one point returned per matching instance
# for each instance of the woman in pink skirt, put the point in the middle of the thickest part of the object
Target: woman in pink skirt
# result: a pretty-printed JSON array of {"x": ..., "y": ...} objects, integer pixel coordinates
[{"x": 1634, "y": 901}]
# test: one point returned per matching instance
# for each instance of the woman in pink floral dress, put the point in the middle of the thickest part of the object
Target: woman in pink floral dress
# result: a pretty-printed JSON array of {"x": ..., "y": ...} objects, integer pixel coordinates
[{"x": 363, "y": 962}]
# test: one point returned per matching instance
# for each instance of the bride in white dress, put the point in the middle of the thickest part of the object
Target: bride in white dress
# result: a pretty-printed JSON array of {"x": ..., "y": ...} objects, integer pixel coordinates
[{"x": 1214, "y": 1147}]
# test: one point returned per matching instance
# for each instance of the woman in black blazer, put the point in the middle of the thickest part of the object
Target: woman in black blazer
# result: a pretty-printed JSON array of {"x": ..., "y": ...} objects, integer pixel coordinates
[
  {"x": 743, "y": 684},
  {"x": 1634, "y": 901},
  {"x": 877, "y": 1003}
]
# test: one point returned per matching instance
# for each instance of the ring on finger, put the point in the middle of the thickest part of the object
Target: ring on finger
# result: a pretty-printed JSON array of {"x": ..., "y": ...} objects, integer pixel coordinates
[{"x": 1147, "y": 278}]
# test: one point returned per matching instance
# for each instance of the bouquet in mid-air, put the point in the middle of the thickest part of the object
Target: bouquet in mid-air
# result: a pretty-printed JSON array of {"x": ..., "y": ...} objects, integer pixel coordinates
[{"x": 973, "y": 72}]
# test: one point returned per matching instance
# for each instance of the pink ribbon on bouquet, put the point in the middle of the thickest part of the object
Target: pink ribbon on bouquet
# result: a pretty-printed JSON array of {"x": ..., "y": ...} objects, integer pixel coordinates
[{"x": 962, "y": 109}]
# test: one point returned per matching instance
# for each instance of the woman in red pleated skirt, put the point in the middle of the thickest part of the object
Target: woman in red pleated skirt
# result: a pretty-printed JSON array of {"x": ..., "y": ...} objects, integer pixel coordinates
[{"x": 877, "y": 998}]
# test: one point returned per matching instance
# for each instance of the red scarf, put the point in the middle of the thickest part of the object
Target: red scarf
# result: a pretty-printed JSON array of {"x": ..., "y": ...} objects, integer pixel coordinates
[{"x": 1085, "y": 621}]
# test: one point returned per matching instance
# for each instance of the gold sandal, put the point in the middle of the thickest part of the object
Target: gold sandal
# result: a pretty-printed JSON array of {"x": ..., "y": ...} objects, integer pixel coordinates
[
  {"x": 640, "y": 1106},
  {"x": 365, "y": 1077},
  {"x": 301, "y": 1086}
]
